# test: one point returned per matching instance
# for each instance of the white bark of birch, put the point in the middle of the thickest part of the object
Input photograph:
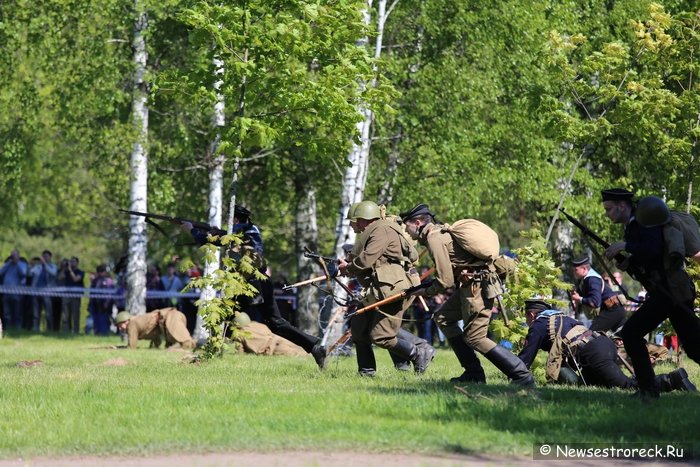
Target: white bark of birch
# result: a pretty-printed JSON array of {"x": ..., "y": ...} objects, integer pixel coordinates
[
  {"x": 216, "y": 186},
  {"x": 307, "y": 235},
  {"x": 355, "y": 176},
  {"x": 136, "y": 266}
]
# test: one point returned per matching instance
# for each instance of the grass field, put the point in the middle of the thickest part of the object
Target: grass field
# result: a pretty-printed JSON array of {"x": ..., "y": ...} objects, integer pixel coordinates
[{"x": 82, "y": 400}]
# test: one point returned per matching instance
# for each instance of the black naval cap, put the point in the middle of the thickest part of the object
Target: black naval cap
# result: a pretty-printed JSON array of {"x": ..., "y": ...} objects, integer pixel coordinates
[
  {"x": 241, "y": 213},
  {"x": 581, "y": 261},
  {"x": 537, "y": 304},
  {"x": 418, "y": 210},
  {"x": 617, "y": 194}
]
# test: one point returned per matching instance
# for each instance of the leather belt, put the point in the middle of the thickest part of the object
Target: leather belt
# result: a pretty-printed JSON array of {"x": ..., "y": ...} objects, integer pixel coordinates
[
  {"x": 584, "y": 338},
  {"x": 612, "y": 302},
  {"x": 466, "y": 274}
]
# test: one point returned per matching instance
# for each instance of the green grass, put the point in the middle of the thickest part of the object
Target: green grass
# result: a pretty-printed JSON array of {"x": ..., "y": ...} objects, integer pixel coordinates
[{"x": 76, "y": 404}]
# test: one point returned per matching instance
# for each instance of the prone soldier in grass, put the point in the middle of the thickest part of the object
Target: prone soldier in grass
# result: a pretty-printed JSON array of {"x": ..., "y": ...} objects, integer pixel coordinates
[
  {"x": 573, "y": 348},
  {"x": 166, "y": 324}
]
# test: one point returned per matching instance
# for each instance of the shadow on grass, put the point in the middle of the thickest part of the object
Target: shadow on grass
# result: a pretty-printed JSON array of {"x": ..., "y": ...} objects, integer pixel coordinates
[{"x": 564, "y": 414}]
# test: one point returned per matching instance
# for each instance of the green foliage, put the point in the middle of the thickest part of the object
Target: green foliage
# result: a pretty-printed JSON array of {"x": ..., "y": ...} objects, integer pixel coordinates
[
  {"x": 635, "y": 100},
  {"x": 536, "y": 276},
  {"x": 230, "y": 281}
]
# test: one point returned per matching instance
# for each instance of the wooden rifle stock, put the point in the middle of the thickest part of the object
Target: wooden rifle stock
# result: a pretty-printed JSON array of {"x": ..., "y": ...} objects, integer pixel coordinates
[{"x": 306, "y": 282}]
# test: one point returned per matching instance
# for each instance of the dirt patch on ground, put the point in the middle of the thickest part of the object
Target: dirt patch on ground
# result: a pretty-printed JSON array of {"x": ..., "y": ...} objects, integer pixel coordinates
[{"x": 300, "y": 459}]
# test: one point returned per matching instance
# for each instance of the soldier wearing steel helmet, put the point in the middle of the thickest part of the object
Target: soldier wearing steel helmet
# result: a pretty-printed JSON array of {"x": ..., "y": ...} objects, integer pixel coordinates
[
  {"x": 365, "y": 355},
  {"x": 165, "y": 324},
  {"x": 670, "y": 291},
  {"x": 382, "y": 261}
]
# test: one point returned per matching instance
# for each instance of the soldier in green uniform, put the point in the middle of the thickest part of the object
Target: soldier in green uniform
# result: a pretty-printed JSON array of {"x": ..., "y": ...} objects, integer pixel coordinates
[
  {"x": 472, "y": 301},
  {"x": 167, "y": 324},
  {"x": 259, "y": 340},
  {"x": 383, "y": 264},
  {"x": 365, "y": 354}
]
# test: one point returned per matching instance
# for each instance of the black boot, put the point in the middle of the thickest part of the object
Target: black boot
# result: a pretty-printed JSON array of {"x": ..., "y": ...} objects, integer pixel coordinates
[
  {"x": 319, "y": 354},
  {"x": 473, "y": 372},
  {"x": 400, "y": 363},
  {"x": 511, "y": 366},
  {"x": 679, "y": 381},
  {"x": 366, "y": 365},
  {"x": 420, "y": 356}
]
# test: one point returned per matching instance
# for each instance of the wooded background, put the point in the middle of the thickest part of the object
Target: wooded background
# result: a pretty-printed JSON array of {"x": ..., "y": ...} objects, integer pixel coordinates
[{"x": 299, "y": 108}]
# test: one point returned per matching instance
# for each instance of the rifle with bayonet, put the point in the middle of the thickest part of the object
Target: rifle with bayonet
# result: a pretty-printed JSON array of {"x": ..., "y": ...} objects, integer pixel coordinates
[{"x": 203, "y": 226}]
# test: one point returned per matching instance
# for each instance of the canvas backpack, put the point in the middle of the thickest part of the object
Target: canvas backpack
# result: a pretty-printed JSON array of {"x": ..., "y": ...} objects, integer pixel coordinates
[
  {"x": 686, "y": 224},
  {"x": 476, "y": 238}
]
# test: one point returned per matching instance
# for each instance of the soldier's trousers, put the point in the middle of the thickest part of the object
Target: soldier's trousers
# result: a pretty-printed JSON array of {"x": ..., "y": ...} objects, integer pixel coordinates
[
  {"x": 655, "y": 309},
  {"x": 273, "y": 319},
  {"x": 467, "y": 304},
  {"x": 609, "y": 320},
  {"x": 598, "y": 360},
  {"x": 379, "y": 328}
]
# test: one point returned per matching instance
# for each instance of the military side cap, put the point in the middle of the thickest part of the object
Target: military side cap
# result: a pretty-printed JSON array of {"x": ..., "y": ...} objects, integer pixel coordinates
[
  {"x": 617, "y": 194},
  {"x": 581, "y": 261},
  {"x": 418, "y": 210},
  {"x": 537, "y": 304}
]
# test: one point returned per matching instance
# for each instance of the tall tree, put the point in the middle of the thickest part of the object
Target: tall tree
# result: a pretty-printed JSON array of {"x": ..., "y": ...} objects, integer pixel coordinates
[
  {"x": 136, "y": 265},
  {"x": 289, "y": 85}
]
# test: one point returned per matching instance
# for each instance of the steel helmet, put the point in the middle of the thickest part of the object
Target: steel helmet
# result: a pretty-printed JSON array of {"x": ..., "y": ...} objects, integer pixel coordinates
[
  {"x": 351, "y": 211},
  {"x": 122, "y": 316},
  {"x": 652, "y": 212},
  {"x": 242, "y": 319},
  {"x": 367, "y": 210}
]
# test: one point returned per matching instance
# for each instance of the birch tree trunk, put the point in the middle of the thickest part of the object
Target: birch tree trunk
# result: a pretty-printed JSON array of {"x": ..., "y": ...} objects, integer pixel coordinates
[
  {"x": 306, "y": 234},
  {"x": 355, "y": 176},
  {"x": 216, "y": 186},
  {"x": 136, "y": 266},
  {"x": 234, "y": 178}
]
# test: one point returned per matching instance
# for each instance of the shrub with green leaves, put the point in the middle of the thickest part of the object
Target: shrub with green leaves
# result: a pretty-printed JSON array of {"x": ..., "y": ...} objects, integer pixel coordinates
[
  {"x": 536, "y": 275},
  {"x": 230, "y": 281}
]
